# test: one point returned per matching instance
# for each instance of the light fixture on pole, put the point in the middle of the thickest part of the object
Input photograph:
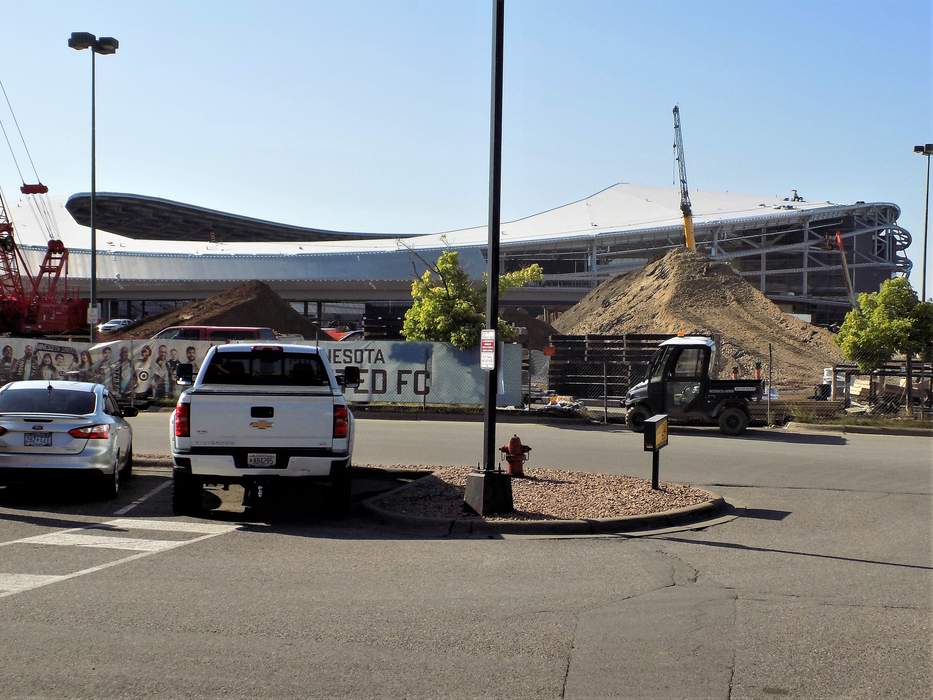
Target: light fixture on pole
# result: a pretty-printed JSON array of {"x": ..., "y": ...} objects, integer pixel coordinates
[
  {"x": 925, "y": 150},
  {"x": 105, "y": 46}
]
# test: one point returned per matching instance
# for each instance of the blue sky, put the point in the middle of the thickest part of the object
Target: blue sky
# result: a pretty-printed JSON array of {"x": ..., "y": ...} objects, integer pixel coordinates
[{"x": 373, "y": 115}]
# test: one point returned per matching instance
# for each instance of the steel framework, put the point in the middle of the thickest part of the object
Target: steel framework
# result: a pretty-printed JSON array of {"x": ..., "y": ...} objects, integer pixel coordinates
[{"x": 793, "y": 261}]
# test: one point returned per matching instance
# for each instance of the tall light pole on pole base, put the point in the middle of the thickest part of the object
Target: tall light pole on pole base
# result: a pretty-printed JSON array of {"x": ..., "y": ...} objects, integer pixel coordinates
[
  {"x": 106, "y": 45},
  {"x": 490, "y": 491},
  {"x": 925, "y": 150}
]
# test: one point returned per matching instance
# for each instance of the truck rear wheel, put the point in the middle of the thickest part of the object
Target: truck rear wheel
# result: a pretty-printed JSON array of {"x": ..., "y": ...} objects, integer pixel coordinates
[
  {"x": 636, "y": 417},
  {"x": 186, "y": 494},
  {"x": 340, "y": 491},
  {"x": 733, "y": 421}
]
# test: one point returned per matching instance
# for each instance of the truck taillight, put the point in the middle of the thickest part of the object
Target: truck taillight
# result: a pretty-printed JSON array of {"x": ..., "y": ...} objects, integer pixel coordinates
[
  {"x": 341, "y": 422},
  {"x": 91, "y": 432},
  {"x": 183, "y": 420}
]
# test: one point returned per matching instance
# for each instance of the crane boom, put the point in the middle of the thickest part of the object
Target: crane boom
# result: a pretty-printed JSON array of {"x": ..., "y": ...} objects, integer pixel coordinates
[
  {"x": 13, "y": 299},
  {"x": 685, "y": 207}
]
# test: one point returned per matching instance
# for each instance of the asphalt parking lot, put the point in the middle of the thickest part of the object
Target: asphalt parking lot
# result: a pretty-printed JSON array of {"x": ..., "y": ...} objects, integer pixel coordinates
[{"x": 821, "y": 589}]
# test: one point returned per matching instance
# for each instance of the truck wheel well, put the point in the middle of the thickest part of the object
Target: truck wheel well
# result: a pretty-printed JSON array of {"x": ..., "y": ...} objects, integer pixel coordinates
[{"x": 730, "y": 403}]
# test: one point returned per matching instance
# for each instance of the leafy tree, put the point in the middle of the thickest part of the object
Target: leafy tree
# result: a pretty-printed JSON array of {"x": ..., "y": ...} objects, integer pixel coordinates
[
  {"x": 448, "y": 307},
  {"x": 887, "y": 322}
]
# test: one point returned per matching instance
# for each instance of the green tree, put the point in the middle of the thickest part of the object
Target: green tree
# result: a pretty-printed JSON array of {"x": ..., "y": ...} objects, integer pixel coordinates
[
  {"x": 887, "y": 322},
  {"x": 448, "y": 307}
]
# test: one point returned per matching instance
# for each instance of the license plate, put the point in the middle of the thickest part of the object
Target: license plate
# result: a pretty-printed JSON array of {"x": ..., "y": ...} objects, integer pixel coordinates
[
  {"x": 37, "y": 440},
  {"x": 254, "y": 459}
]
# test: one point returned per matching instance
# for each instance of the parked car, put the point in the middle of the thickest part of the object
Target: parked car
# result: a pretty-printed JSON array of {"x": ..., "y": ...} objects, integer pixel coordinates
[
  {"x": 53, "y": 431},
  {"x": 215, "y": 334},
  {"x": 261, "y": 415},
  {"x": 115, "y": 324}
]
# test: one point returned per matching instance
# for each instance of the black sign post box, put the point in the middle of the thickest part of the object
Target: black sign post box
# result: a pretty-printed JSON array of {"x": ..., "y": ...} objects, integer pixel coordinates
[{"x": 655, "y": 439}]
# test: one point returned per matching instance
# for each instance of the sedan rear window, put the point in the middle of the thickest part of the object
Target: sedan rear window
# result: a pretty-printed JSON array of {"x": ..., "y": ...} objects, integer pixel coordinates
[
  {"x": 266, "y": 369},
  {"x": 75, "y": 403}
]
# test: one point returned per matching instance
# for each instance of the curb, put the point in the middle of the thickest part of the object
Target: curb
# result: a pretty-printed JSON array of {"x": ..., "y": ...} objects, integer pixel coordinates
[
  {"x": 151, "y": 461},
  {"x": 473, "y": 417},
  {"x": 517, "y": 416},
  {"x": 859, "y": 429},
  {"x": 468, "y": 526}
]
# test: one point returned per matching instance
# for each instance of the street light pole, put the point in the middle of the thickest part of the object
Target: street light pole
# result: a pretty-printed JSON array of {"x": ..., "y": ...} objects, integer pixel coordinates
[
  {"x": 105, "y": 45},
  {"x": 489, "y": 492},
  {"x": 925, "y": 150},
  {"x": 93, "y": 304}
]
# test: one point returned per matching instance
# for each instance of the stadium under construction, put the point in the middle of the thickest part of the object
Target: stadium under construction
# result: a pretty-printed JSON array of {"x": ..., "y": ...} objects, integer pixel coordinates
[{"x": 154, "y": 253}]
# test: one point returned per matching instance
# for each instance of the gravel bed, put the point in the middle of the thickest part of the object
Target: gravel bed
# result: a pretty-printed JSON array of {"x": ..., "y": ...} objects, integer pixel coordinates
[{"x": 545, "y": 494}]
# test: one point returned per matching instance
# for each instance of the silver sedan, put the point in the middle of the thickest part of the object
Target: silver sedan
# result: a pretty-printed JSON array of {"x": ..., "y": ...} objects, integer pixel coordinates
[{"x": 52, "y": 431}]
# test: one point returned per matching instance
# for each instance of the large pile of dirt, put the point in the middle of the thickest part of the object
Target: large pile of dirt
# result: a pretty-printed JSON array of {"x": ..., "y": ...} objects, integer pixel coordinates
[
  {"x": 538, "y": 332},
  {"x": 687, "y": 292},
  {"x": 250, "y": 304}
]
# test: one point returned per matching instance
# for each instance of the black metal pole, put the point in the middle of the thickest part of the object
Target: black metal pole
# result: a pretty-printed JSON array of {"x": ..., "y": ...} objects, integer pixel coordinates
[
  {"x": 655, "y": 468},
  {"x": 492, "y": 263},
  {"x": 926, "y": 226},
  {"x": 93, "y": 304}
]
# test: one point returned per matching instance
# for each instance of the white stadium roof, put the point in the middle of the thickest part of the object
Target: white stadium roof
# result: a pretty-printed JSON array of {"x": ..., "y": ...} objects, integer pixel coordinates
[{"x": 620, "y": 208}]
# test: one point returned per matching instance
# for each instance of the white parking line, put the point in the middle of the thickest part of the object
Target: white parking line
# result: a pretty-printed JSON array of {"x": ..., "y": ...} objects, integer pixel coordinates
[
  {"x": 69, "y": 539},
  {"x": 16, "y": 583},
  {"x": 127, "y": 508}
]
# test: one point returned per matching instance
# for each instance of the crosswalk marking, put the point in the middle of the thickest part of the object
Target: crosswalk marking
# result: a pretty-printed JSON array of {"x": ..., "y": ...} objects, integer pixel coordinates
[
  {"x": 73, "y": 539},
  {"x": 169, "y": 526},
  {"x": 15, "y": 583},
  {"x": 85, "y": 537}
]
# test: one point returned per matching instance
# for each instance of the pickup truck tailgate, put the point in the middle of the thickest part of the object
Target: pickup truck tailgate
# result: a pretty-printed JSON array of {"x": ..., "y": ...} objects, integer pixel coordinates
[{"x": 288, "y": 420}]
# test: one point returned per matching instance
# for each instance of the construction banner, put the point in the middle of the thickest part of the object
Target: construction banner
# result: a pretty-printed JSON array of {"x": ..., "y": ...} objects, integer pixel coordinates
[{"x": 143, "y": 371}]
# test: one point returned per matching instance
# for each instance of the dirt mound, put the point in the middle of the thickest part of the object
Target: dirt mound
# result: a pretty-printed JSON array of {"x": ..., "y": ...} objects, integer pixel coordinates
[
  {"x": 685, "y": 291},
  {"x": 538, "y": 331},
  {"x": 250, "y": 304}
]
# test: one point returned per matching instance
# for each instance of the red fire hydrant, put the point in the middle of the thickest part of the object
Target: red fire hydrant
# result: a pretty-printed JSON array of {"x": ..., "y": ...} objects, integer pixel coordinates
[{"x": 516, "y": 454}]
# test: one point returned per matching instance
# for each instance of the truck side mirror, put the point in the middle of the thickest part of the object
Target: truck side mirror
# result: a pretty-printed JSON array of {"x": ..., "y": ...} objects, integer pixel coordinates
[
  {"x": 184, "y": 373},
  {"x": 351, "y": 377}
]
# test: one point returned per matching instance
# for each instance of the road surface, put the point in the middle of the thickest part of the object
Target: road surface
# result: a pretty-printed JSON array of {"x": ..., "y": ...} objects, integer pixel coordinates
[{"x": 822, "y": 589}]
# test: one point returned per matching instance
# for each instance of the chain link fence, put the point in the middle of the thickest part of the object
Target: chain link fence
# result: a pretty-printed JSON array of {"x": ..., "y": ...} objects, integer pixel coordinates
[
  {"x": 893, "y": 391},
  {"x": 595, "y": 372}
]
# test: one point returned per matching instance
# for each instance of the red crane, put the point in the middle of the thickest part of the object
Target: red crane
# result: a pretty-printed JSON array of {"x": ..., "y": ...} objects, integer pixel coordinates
[{"x": 46, "y": 305}]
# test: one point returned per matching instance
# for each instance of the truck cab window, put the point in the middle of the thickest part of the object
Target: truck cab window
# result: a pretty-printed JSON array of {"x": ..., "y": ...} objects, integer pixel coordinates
[
  {"x": 657, "y": 369},
  {"x": 689, "y": 365}
]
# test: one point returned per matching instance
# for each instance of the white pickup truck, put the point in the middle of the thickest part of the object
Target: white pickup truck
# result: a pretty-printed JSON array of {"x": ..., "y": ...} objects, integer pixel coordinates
[{"x": 262, "y": 415}]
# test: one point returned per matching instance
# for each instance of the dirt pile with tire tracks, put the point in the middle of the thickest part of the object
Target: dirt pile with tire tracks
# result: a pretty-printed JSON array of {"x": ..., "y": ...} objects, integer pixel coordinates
[
  {"x": 687, "y": 292},
  {"x": 250, "y": 304}
]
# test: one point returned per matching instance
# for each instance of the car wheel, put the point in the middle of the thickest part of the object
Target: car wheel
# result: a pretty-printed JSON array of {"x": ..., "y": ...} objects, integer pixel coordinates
[
  {"x": 636, "y": 417},
  {"x": 127, "y": 470},
  {"x": 111, "y": 486},
  {"x": 186, "y": 494},
  {"x": 733, "y": 421}
]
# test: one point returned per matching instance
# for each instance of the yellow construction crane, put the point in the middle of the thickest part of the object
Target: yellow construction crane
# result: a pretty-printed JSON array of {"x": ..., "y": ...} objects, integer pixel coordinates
[{"x": 684, "y": 194}]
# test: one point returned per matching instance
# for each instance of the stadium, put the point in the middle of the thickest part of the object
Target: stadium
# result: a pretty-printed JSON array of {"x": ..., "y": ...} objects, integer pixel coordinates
[{"x": 154, "y": 253}]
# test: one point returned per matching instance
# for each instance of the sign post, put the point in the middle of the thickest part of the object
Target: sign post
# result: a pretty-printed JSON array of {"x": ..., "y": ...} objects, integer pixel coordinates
[
  {"x": 489, "y": 492},
  {"x": 487, "y": 349},
  {"x": 655, "y": 440}
]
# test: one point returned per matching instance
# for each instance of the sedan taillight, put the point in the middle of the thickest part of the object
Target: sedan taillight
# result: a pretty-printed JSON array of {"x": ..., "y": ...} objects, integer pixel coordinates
[
  {"x": 341, "y": 422},
  {"x": 2, "y": 430},
  {"x": 183, "y": 420},
  {"x": 91, "y": 432}
]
